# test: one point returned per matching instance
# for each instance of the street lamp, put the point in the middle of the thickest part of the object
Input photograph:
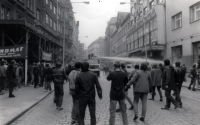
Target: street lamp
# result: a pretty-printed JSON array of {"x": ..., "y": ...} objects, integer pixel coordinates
[
  {"x": 83, "y": 36},
  {"x": 122, "y": 3},
  {"x": 85, "y": 2}
]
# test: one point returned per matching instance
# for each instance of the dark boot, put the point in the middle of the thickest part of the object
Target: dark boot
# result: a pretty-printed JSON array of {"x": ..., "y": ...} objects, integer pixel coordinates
[{"x": 11, "y": 96}]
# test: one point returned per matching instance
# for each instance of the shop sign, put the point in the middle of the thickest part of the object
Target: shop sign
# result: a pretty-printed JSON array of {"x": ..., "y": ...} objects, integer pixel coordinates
[
  {"x": 157, "y": 47},
  {"x": 46, "y": 56},
  {"x": 18, "y": 51}
]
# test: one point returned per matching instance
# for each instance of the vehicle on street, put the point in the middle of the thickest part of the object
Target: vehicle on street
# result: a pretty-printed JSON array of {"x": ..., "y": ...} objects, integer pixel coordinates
[
  {"x": 129, "y": 68},
  {"x": 94, "y": 66}
]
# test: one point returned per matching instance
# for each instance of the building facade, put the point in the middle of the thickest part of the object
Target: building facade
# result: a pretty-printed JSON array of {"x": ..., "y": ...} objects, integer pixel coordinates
[
  {"x": 97, "y": 47},
  {"x": 39, "y": 25},
  {"x": 147, "y": 32},
  {"x": 81, "y": 52},
  {"x": 118, "y": 40},
  {"x": 183, "y": 31},
  {"x": 110, "y": 29}
]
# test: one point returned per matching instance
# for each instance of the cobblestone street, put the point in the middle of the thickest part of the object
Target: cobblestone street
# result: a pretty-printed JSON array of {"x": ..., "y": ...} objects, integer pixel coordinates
[{"x": 45, "y": 112}]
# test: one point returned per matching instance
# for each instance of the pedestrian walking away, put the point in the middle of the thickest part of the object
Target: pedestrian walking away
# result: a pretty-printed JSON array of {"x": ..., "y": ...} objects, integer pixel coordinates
[
  {"x": 193, "y": 76},
  {"x": 123, "y": 69},
  {"x": 156, "y": 77},
  {"x": 185, "y": 70},
  {"x": 179, "y": 78},
  {"x": 18, "y": 75},
  {"x": 2, "y": 77},
  {"x": 47, "y": 72},
  {"x": 36, "y": 75},
  {"x": 118, "y": 80},
  {"x": 11, "y": 77},
  {"x": 41, "y": 69},
  {"x": 85, "y": 84},
  {"x": 168, "y": 84},
  {"x": 72, "y": 80},
  {"x": 142, "y": 85},
  {"x": 58, "y": 77}
]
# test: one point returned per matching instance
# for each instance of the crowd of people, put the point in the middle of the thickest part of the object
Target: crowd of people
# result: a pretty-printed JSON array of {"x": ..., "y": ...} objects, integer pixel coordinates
[
  {"x": 83, "y": 83},
  {"x": 12, "y": 76}
]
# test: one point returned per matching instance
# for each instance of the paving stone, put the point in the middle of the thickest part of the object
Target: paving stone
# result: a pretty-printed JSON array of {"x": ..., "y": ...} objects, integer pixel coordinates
[{"x": 45, "y": 112}]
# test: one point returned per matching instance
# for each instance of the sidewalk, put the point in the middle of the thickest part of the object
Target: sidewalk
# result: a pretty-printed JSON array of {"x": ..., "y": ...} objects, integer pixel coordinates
[
  {"x": 186, "y": 84},
  {"x": 27, "y": 97}
]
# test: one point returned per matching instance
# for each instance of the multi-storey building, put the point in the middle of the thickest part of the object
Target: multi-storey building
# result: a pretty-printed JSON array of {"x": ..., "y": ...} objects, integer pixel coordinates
[
  {"x": 125, "y": 26},
  {"x": 85, "y": 54},
  {"x": 147, "y": 33},
  {"x": 81, "y": 52},
  {"x": 37, "y": 24},
  {"x": 117, "y": 46},
  {"x": 97, "y": 47},
  {"x": 183, "y": 31},
  {"x": 111, "y": 27}
]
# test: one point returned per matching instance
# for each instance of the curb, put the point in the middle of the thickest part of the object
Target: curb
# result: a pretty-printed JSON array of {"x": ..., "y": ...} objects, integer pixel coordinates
[{"x": 23, "y": 112}]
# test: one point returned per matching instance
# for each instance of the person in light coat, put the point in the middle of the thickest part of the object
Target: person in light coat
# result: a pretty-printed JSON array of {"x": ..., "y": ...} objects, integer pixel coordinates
[{"x": 142, "y": 85}]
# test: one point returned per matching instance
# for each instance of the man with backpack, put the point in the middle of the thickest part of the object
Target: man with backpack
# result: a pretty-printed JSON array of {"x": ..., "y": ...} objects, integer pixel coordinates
[
  {"x": 179, "y": 78},
  {"x": 2, "y": 76},
  {"x": 72, "y": 80},
  {"x": 11, "y": 77}
]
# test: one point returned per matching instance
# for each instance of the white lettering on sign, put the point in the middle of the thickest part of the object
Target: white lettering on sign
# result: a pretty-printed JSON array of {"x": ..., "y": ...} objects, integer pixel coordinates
[
  {"x": 6, "y": 50},
  {"x": 1, "y": 50},
  {"x": 11, "y": 50}
]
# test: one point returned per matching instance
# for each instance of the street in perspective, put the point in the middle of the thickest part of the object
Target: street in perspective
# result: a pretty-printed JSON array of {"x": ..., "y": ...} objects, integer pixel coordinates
[{"x": 99, "y": 62}]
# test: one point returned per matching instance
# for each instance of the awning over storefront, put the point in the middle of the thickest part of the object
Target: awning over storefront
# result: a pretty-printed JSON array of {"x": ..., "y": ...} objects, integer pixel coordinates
[{"x": 18, "y": 51}]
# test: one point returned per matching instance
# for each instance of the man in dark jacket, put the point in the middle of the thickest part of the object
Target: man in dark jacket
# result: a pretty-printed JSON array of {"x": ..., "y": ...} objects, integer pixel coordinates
[
  {"x": 11, "y": 77},
  {"x": 117, "y": 93},
  {"x": 36, "y": 72},
  {"x": 58, "y": 77},
  {"x": 185, "y": 70},
  {"x": 41, "y": 75},
  {"x": 179, "y": 77},
  {"x": 85, "y": 91},
  {"x": 193, "y": 72},
  {"x": 168, "y": 84}
]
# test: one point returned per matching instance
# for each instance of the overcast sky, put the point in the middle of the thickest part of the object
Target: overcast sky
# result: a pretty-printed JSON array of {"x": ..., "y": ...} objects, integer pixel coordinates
[{"x": 93, "y": 17}]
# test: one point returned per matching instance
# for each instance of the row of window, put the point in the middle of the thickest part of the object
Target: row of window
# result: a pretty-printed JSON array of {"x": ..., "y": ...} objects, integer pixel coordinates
[
  {"x": 50, "y": 21},
  {"x": 147, "y": 33},
  {"x": 141, "y": 41},
  {"x": 194, "y": 16},
  {"x": 140, "y": 14},
  {"x": 52, "y": 7},
  {"x": 5, "y": 13}
]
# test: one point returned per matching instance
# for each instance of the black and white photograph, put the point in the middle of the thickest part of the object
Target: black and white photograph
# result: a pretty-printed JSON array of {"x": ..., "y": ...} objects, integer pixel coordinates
[{"x": 99, "y": 62}]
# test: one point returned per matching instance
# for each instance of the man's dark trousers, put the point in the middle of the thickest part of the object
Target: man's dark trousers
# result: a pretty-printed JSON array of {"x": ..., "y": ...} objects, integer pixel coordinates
[
  {"x": 36, "y": 80},
  {"x": 58, "y": 94},
  {"x": 177, "y": 92},
  {"x": 169, "y": 99},
  {"x": 83, "y": 102},
  {"x": 11, "y": 86}
]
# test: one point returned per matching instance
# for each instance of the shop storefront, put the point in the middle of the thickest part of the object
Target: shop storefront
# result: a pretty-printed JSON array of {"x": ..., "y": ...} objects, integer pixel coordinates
[
  {"x": 196, "y": 51},
  {"x": 153, "y": 52}
]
